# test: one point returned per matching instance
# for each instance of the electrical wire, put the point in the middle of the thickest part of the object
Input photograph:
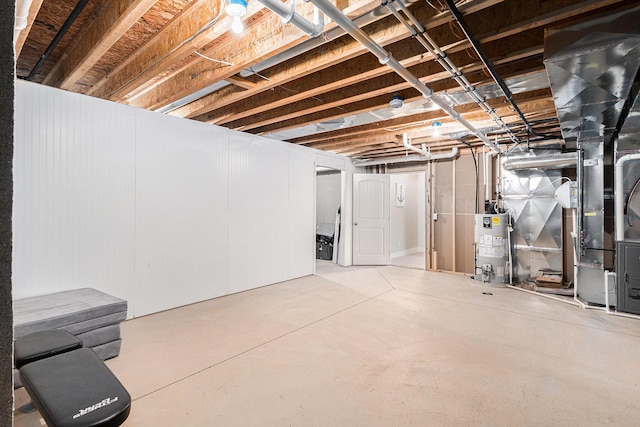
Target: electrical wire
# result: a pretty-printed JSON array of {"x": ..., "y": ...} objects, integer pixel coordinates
[
  {"x": 207, "y": 26},
  {"x": 219, "y": 61},
  {"x": 434, "y": 8},
  {"x": 280, "y": 86}
]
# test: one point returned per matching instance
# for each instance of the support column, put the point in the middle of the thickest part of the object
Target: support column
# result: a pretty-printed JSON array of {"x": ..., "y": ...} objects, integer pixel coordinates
[{"x": 7, "y": 73}]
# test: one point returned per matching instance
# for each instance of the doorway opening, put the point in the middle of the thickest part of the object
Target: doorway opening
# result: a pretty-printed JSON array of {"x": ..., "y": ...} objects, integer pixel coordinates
[
  {"x": 389, "y": 219},
  {"x": 407, "y": 216},
  {"x": 329, "y": 228}
]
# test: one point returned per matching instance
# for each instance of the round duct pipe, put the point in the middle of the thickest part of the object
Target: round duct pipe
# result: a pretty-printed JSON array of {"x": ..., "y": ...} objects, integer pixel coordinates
[
  {"x": 548, "y": 162},
  {"x": 413, "y": 158}
]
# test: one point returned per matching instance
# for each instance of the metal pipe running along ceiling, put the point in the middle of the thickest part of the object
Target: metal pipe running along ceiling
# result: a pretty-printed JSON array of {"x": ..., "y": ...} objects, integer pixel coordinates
[
  {"x": 289, "y": 15},
  {"x": 487, "y": 63},
  {"x": 419, "y": 33},
  {"x": 407, "y": 159},
  {"x": 386, "y": 59}
]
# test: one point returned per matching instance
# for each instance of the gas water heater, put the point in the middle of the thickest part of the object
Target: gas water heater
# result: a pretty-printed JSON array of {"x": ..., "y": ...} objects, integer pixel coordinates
[{"x": 492, "y": 260}]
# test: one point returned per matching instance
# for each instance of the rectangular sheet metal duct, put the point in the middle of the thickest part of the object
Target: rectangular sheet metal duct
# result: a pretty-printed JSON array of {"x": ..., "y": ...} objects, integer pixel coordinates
[
  {"x": 591, "y": 69},
  {"x": 528, "y": 194}
]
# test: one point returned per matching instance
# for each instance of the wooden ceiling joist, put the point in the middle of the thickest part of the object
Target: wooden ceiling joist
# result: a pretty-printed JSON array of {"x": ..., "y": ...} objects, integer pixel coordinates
[
  {"x": 114, "y": 19},
  {"x": 155, "y": 54},
  {"x": 385, "y": 31},
  {"x": 521, "y": 16},
  {"x": 177, "y": 40}
]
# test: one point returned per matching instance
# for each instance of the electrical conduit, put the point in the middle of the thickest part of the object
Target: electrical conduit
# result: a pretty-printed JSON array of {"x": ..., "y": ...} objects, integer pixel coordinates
[
  {"x": 386, "y": 59},
  {"x": 421, "y": 35},
  {"x": 289, "y": 15}
]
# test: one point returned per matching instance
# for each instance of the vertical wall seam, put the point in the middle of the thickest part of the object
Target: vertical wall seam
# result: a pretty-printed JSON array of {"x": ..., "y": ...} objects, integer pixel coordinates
[{"x": 134, "y": 295}]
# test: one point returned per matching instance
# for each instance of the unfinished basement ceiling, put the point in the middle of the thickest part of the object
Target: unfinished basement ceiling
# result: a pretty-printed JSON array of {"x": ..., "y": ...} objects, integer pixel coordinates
[{"x": 327, "y": 92}]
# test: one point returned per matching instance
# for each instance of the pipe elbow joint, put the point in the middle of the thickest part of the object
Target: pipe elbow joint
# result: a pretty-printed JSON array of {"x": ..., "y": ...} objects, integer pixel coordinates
[
  {"x": 318, "y": 22},
  {"x": 21, "y": 24},
  {"x": 292, "y": 12}
]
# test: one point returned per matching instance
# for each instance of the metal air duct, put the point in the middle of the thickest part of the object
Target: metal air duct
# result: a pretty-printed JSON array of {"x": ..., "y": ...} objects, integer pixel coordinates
[
  {"x": 591, "y": 68},
  {"x": 406, "y": 159},
  {"x": 565, "y": 160},
  {"x": 629, "y": 136}
]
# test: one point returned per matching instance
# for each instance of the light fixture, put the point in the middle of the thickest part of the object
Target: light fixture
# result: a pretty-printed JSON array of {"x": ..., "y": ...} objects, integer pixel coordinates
[
  {"x": 436, "y": 128},
  {"x": 396, "y": 101},
  {"x": 237, "y": 9}
]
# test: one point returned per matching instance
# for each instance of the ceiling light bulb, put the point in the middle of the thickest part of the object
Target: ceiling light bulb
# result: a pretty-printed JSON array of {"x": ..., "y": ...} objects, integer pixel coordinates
[
  {"x": 237, "y": 26},
  {"x": 236, "y": 8},
  {"x": 436, "y": 128}
]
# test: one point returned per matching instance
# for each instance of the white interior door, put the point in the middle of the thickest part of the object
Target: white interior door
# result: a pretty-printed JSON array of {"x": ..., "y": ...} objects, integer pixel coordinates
[{"x": 370, "y": 219}]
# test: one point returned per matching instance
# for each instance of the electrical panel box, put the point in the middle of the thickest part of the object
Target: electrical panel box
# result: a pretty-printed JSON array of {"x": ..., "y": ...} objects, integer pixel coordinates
[{"x": 628, "y": 277}]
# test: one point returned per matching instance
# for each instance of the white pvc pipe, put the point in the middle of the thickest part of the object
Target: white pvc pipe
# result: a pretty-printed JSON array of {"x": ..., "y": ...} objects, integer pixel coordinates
[
  {"x": 509, "y": 230},
  {"x": 288, "y": 15},
  {"x": 574, "y": 235},
  {"x": 409, "y": 146},
  {"x": 386, "y": 59},
  {"x": 488, "y": 168},
  {"x": 619, "y": 193},
  {"x": 22, "y": 15}
]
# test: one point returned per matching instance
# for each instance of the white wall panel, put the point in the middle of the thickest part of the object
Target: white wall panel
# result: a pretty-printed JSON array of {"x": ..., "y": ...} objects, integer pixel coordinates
[
  {"x": 301, "y": 233},
  {"x": 258, "y": 198},
  {"x": 154, "y": 209},
  {"x": 181, "y": 212},
  {"x": 73, "y": 199}
]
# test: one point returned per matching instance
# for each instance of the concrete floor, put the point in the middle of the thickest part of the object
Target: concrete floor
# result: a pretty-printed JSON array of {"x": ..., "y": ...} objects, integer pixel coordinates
[
  {"x": 387, "y": 346},
  {"x": 412, "y": 260}
]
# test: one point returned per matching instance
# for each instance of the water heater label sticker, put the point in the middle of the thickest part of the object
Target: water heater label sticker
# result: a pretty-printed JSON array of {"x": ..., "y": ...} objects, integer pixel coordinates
[
  {"x": 496, "y": 220},
  {"x": 490, "y": 252},
  {"x": 486, "y": 252},
  {"x": 497, "y": 241}
]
